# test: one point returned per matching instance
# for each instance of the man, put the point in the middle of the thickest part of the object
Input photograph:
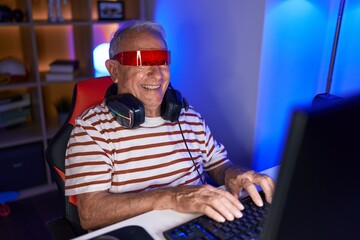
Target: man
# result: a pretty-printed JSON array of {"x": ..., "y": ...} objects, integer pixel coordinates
[{"x": 118, "y": 172}]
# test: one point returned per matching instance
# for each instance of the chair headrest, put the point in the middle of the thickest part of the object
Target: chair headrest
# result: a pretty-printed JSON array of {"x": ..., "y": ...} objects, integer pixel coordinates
[{"x": 88, "y": 93}]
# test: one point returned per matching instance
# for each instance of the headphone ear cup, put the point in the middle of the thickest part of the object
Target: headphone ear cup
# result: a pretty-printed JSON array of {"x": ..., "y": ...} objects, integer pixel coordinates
[
  {"x": 126, "y": 109},
  {"x": 171, "y": 105}
]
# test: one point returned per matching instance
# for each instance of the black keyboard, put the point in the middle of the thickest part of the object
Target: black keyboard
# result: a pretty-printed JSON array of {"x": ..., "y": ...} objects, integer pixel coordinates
[{"x": 248, "y": 227}]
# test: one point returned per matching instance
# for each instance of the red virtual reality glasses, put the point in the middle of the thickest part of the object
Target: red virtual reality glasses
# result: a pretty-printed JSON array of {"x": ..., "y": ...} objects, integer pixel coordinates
[{"x": 143, "y": 58}]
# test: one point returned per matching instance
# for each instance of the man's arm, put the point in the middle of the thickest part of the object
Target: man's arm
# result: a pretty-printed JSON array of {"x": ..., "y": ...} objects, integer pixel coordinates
[
  {"x": 99, "y": 209},
  {"x": 236, "y": 179}
]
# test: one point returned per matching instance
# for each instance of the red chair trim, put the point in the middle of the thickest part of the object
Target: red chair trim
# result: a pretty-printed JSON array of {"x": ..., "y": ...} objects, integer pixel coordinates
[
  {"x": 89, "y": 93},
  {"x": 72, "y": 198},
  {"x": 61, "y": 173}
]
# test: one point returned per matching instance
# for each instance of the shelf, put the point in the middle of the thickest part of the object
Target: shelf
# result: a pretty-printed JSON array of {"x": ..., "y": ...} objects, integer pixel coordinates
[
  {"x": 29, "y": 133},
  {"x": 74, "y": 23},
  {"x": 36, "y": 42},
  {"x": 15, "y": 24},
  {"x": 79, "y": 77},
  {"x": 39, "y": 23},
  {"x": 13, "y": 86}
]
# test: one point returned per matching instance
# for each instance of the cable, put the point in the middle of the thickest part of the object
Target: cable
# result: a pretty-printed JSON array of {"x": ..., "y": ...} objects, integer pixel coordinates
[
  {"x": 192, "y": 159},
  {"x": 333, "y": 53}
]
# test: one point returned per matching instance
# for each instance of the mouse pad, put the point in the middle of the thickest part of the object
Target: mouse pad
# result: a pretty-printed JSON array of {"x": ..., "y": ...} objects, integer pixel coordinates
[{"x": 126, "y": 233}]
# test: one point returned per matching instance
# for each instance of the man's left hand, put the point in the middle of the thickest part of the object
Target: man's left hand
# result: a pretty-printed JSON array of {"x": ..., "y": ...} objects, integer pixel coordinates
[{"x": 237, "y": 180}]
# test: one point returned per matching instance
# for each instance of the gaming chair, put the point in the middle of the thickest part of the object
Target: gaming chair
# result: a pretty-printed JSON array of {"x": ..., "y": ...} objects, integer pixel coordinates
[{"x": 86, "y": 94}]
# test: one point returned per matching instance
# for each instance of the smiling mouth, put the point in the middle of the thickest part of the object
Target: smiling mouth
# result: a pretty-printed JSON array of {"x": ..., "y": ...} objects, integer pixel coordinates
[{"x": 150, "y": 87}]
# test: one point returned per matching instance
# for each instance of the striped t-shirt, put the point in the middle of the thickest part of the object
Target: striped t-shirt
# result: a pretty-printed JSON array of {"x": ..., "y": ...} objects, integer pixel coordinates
[{"x": 103, "y": 155}]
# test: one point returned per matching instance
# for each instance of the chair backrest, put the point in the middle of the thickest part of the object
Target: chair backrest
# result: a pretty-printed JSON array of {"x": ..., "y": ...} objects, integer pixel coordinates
[{"x": 86, "y": 94}]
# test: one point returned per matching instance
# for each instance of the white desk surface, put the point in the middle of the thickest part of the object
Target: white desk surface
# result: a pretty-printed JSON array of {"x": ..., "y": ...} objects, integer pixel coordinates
[{"x": 157, "y": 221}]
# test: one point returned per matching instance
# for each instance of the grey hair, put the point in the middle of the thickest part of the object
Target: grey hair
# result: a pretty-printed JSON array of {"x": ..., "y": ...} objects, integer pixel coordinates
[{"x": 134, "y": 26}]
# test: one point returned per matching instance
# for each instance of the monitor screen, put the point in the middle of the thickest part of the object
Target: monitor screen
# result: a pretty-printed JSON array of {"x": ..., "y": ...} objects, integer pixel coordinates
[{"x": 317, "y": 194}]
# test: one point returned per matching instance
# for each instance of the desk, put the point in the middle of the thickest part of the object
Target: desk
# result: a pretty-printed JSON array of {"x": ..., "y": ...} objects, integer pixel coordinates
[{"x": 157, "y": 221}]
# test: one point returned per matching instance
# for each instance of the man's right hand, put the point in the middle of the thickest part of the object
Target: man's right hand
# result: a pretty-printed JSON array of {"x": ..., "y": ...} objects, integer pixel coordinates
[{"x": 216, "y": 203}]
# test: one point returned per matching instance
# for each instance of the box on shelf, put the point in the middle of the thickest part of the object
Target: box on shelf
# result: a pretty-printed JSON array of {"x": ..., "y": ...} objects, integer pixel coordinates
[
  {"x": 64, "y": 66},
  {"x": 14, "y": 102},
  {"x": 14, "y": 109},
  {"x": 14, "y": 117},
  {"x": 61, "y": 76}
]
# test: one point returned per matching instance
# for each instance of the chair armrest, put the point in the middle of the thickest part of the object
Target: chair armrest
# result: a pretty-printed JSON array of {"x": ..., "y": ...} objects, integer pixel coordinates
[{"x": 60, "y": 229}]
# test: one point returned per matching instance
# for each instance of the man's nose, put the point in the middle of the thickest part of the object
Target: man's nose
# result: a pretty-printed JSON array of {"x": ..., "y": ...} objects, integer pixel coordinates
[{"x": 155, "y": 71}]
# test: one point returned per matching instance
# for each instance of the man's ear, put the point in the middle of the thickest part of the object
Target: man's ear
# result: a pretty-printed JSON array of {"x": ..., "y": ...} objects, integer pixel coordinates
[{"x": 113, "y": 68}]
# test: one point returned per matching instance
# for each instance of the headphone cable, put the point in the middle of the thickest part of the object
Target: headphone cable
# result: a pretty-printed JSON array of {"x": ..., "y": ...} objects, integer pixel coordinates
[{"x": 192, "y": 159}]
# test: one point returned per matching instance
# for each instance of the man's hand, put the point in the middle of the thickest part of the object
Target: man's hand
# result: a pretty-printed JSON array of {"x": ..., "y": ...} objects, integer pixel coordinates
[
  {"x": 237, "y": 180},
  {"x": 216, "y": 203},
  {"x": 99, "y": 209}
]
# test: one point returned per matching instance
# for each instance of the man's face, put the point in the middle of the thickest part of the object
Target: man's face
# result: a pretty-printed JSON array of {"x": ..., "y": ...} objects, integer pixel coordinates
[{"x": 147, "y": 83}]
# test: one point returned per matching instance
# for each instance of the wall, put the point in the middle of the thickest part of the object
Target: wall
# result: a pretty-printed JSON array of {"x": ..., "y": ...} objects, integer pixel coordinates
[
  {"x": 297, "y": 44},
  {"x": 246, "y": 64},
  {"x": 216, "y": 48},
  {"x": 346, "y": 80}
]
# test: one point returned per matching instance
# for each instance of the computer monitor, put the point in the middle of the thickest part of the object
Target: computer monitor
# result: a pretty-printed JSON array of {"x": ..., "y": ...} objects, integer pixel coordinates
[{"x": 317, "y": 194}]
